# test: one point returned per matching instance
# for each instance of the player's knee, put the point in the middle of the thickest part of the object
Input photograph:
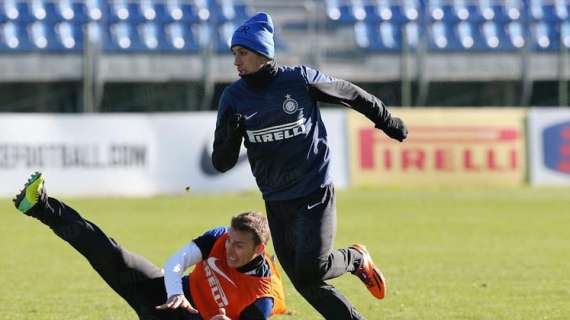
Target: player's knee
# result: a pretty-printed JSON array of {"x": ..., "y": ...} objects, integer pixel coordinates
[{"x": 311, "y": 271}]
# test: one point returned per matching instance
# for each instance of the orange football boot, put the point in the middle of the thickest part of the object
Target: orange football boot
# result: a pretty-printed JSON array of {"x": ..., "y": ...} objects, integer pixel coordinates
[{"x": 370, "y": 274}]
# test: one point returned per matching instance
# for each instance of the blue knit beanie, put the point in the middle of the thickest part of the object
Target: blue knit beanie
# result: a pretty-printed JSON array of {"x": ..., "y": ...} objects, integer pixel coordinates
[{"x": 256, "y": 34}]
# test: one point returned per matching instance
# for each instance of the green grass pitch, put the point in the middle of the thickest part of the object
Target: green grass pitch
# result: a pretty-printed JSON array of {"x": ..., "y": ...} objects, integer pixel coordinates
[{"x": 447, "y": 254}]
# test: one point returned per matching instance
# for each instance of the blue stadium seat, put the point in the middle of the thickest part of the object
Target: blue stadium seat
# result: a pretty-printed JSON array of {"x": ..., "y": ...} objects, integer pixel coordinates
[
  {"x": 125, "y": 25},
  {"x": 390, "y": 35},
  {"x": 498, "y": 11},
  {"x": 502, "y": 11},
  {"x": 180, "y": 38},
  {"x": 13, "y": 37},
  {"x": 411, "y": 9},
  {"x": 544, "y": 37},
  {"x": 60, "y": 11},
  {"x": 229, "y": 10},
  {"x": 453, "y": 12},
  {"x": 384, "y": 36},
  {"x": 443, "y": 37},
  {"x": 562, "y": 9},
  {"x": 349, "y": 11},
  {"x": 175, "y": 10},
  {"x": 122, "y": 37},
  {"x": 51, "y": 10},
  {"x": 466, "y": 11},
  {"x": 69, "y": 36},
  {"x": 366, "y": 36},
  {"x": 412, "y": 33},
  {"x": 362, "y": 36},
  {"x": 117, "y": 10},
  {"x": 386, "y": 10},
  {"x": 223, "y": 37},
  {"x": 16, "y": 10},
  {"x": 494, "y": 36},
  {"x": 38, "y": 10},
  {"x": 469, "y": 36},
  {"x": 438, "y": 11},
  {"x": 35, "y": 34},
  {"x": 487, "y": 36},
  {"x": 243, "y": 12},
  {"x": 486, "y": 10},
  {"x": 151, "y": 37},
  {"x": 94, "y": 10},
  {"x": 202, "y": 9},
  {"x": 548, "y": 11},
  {"x": 516, "y": 35},
  {"x": 490, "y": 36},
  {"x": 123, "y": 10},
  {"x": 148, "y": 10},
  {"x": 152, "y": 11},
  {"x": 535, "y": 10},
  {"x": 358, "y": 10},
  {"x": 514, "y": 10},
  {"x": 41, "y": 36},
  {"x": 378, "y": 12}
]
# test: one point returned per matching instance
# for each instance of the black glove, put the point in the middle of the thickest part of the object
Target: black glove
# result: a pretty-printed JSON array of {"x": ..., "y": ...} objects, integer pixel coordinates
[
  {"x": 235, "y": 126},
  {"x": 395, "y": 129}
]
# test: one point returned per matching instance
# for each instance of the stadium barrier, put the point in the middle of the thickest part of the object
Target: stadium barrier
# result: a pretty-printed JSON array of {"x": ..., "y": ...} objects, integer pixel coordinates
[
  {"x": 549, "y": 143},
  {"x": 148, "y": 154},
  {"x": 129, "y": 154}
]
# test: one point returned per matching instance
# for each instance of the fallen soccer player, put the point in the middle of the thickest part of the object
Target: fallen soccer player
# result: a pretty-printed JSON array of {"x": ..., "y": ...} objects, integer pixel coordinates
[{"x": 233, "y": 277}]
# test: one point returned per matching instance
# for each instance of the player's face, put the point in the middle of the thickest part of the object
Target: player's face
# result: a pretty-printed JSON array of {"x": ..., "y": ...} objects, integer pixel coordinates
[
  {"x": 247, "y": 61},
  {"x": 240, "y": 248}
]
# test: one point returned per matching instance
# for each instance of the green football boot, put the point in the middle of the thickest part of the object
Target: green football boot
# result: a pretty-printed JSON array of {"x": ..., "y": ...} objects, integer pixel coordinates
[{"x": 30, "y": 195}]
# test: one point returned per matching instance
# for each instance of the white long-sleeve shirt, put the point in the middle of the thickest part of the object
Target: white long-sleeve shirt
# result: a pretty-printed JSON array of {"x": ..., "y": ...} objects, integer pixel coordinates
[{"x": 177, "y": 264}]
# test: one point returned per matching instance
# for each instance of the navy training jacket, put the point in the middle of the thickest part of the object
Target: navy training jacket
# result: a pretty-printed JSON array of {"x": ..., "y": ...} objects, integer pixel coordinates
[{"x": 285, "y": 136}]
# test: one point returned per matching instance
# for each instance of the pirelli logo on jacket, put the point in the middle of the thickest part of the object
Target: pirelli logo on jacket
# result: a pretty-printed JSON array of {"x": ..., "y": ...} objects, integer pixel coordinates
[{"x": 276, "y": 133}]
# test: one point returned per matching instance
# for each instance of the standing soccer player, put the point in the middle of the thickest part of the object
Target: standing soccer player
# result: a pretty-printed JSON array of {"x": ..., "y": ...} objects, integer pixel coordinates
[{"x": 275, "y": 109}]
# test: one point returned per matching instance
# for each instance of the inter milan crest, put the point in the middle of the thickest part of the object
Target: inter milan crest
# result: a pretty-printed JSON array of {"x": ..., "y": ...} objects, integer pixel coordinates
[{"x": 290, "y": 105}]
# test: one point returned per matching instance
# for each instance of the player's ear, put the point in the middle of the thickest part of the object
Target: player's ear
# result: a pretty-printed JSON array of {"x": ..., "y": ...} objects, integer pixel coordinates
[{"x": 260, "y": 248}]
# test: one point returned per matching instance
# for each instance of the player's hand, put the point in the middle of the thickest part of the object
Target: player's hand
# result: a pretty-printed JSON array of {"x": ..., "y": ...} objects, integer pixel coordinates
[
  {"x": 395, "y": 129},
  {"x": 177, "y": 301},
  {"x": 221, "y": 315}
]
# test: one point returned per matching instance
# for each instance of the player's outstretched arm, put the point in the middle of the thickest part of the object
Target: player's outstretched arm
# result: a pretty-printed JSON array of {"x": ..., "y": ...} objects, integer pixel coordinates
[
  {"x": 177, "y": 301},
  {"x": 328, "y": 89}
]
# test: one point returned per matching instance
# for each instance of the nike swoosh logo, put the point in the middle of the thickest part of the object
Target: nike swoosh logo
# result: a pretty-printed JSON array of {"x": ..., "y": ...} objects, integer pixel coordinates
[
  {"x": 311, "y": 206},
  {"x": 212, "y": 264},
  {"x": 206, "y": 160},
  {"x": 250, "y": 116}
]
